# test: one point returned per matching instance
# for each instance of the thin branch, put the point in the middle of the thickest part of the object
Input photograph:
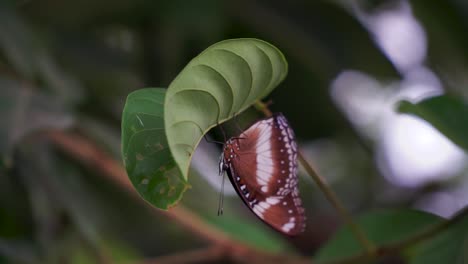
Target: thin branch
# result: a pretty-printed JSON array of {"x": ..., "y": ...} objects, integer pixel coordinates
[
  {"x": 88, "y": 153},
  {"x": 329, "y": 194},
  {"x": 220, "y": 254},
  {"x": 335, "y": 201}
]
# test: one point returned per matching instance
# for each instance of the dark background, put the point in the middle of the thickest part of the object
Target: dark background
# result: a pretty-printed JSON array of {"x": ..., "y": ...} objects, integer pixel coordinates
[{"x": 69, "y": 65}]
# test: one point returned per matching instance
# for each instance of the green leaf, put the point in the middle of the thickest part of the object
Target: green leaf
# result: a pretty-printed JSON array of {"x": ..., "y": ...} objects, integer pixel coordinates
[
  {"x": 381, "y": 227},
  {"x": 446, "y": 113},
  {"x": 146, "y": 155},
  {"x": 450, "y": 246},
  {"x": 222, "y": 81}
]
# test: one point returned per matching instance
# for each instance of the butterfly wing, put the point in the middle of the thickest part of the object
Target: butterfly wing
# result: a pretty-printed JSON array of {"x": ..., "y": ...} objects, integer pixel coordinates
[{"x": 263, "y": 170}]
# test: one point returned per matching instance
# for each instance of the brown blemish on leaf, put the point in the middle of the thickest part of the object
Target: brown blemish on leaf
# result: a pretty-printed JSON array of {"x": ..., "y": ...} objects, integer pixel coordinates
[
  {"x": 171, "y": 191},
  {"x": 158, "y": 146},
  {"x": 144, "y": 181},
  {"x": 140, "y": 157}
]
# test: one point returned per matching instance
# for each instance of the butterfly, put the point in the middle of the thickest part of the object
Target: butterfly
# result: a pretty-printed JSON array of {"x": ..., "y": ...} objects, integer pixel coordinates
[{"x": 261, "y": 164}]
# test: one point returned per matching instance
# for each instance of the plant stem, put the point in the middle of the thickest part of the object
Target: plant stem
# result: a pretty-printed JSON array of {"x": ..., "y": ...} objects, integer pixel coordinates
[
  {"x": 330, "y": 195},
  {"x": 88, "y": 153},
  {"x": 262, "y": 107},
  {"x": 335, "y": 201}
]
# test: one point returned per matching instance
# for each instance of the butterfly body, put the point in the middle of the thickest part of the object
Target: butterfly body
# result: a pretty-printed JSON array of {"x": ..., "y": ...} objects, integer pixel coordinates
[{"x": 262, "y": 166}]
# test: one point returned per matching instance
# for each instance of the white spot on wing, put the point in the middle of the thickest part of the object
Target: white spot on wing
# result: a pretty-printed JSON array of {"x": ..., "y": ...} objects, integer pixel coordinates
[
  {"x": 288, "y": 226},
  {"x": 258, "y": 212},
  {"x": 264, "y": 205},
  {"x": 272, "y": 200}
]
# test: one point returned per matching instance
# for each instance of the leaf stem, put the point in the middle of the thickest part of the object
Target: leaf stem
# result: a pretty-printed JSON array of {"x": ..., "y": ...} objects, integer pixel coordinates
[
  {"x": 335, "y": 201},
  {"x": 263, "y": 107},
  {"x": 330, "y": 195}
]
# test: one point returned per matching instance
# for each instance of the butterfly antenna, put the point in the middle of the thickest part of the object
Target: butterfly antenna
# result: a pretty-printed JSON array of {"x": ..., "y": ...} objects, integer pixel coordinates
[
  {"x": 205, "y": 136},
  {"x": 237, "y": 124},
  {"x": 223, "y": 132},
  {"x": 221, "y": 197},
  {"x": 212, "y": 141}
]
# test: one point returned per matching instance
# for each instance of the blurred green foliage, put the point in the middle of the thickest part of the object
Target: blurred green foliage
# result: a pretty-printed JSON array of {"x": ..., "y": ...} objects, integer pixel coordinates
[{"x": 382, "y": 227}]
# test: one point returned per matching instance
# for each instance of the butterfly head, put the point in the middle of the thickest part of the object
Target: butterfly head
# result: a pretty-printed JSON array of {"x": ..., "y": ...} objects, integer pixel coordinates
[
  {"x": 230, "y": 149},
  {"x": 223, "y": 165}
]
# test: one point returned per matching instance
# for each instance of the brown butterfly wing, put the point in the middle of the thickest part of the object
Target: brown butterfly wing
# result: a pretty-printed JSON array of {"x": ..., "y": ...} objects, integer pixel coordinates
[
  {"x": 263, "y": 169},
  {"x": 284, "y": 213}
]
